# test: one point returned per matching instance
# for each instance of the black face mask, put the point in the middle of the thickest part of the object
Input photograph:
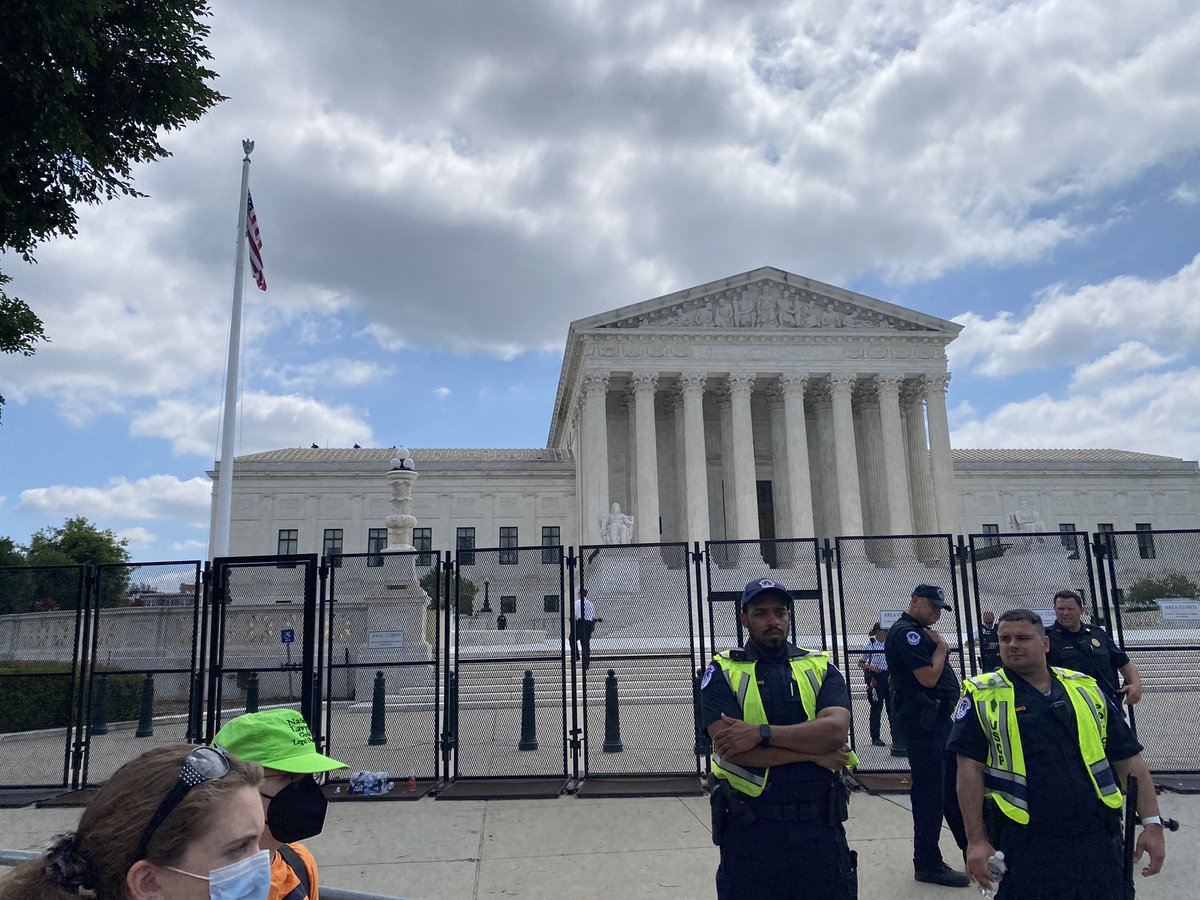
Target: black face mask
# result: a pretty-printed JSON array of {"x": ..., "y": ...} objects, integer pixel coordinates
[{"x": 297, "y": 812}]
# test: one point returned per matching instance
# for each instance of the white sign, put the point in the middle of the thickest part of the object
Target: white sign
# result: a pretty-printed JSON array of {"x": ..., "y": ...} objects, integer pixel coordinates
[
  {"x": 385, "y": 640},
  {"x": 888, "y": 617},
  {"x": 1178, "y": 609},
  {"x": 1048, "y": 617}
]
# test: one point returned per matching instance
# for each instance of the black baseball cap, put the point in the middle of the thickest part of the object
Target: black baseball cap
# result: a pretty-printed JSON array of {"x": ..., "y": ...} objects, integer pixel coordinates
[
  {"x": 760, "y": 586},
  {"x": 933, "y": 594}
]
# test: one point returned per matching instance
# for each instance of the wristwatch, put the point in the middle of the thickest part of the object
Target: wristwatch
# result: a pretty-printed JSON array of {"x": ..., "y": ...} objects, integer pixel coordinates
[
  {"x": 1146, "y": 820},
  {"x": 764, "y": 740}
]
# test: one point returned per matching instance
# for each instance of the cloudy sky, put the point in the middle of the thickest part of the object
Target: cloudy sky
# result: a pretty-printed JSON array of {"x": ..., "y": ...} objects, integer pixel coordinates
[{"x": 442, "y": 187}]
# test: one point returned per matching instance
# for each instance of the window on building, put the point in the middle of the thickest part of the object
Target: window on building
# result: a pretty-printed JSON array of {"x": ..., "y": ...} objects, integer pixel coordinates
[
  {"x": 331, "y": 546},
  {"x": 991, "y": 541},
  {"x": 464, "y": 546},
  {"x": 508, "y": 604},
  {"x": 423, "y": 543},
  {"x": 289, "y": 541},
  {"x": 550, "y": 538},
  {"x": 1145, "y": 540},
  {"x": 551, "y": 603},
  {"x": 1106, "y": 529},
  {"x": 376, "y": 543},
  {"x": 1069, "y": 539},
  {"x": 508, "y": 539}
]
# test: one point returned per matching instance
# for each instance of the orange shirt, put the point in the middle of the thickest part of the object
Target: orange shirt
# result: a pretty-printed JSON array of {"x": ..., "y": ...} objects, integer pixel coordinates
[{"x": 284, "y": 880}]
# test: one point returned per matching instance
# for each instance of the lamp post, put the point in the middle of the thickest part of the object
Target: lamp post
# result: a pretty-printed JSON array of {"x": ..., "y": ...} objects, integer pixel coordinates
[{"x": 487, "y": 603}]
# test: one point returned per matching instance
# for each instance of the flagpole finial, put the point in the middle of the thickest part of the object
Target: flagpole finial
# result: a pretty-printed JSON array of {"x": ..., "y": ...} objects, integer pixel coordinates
[{"x": 248, "y": 147}]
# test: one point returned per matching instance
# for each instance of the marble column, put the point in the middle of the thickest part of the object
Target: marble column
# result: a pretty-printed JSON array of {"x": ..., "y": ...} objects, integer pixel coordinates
[
  {"x": 779, "y": 469},
  {"x": 646, "y": 529},
  {"x": 846, "y": 456},
  {"x": 744, "y": 477},
  {"x": 870, "y": 470},
  {"x": 595, "y": 436},
  {"x": 941, "y": 463},
  {"x": 799, "y": 483},
  {"x": 920, "y": 480},
  {"x": 827, "y": 484},
  {"x": 895, "y": 470},
  {"x": 695, "y": 458}
]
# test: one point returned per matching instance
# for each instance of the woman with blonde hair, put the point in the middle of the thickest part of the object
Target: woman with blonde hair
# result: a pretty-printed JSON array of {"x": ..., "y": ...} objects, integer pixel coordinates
[{"x": 176, "y": 823}]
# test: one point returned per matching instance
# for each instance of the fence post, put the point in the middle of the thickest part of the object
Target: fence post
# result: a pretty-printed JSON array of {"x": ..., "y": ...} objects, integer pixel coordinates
[
  {"x": 378, "y": 716},
  {"x": 145, "y": 726},
  {"x": 98, "y": 723},
  {"x": 612, "y": 716},
  {"x": 528, "y": 714}
]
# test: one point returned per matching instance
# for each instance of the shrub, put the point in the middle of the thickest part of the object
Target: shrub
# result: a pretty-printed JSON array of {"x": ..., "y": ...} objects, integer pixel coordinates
[
  {"x": 466, "y": 592},
  {"x": 38, "y": 695},
  {"x": 1142, "y": 594}
]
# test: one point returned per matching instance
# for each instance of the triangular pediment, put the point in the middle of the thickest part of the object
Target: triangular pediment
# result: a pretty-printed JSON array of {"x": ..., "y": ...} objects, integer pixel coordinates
[{"x": 768, "y": 299}]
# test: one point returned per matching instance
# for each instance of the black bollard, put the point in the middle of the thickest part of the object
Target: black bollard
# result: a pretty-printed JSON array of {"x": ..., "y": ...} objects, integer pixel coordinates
[
  {"x": 252, "y": 692},
  {"x": 612, "y": 716},
  {"x": 99, "y": 719},
  {"x": 146, "y": 719},
  {"x": 194, "y": 713},
  {"x": 528, "y": 716},
  {"x": 451, "y": 712},
  {"x": 378, "y": 714}
]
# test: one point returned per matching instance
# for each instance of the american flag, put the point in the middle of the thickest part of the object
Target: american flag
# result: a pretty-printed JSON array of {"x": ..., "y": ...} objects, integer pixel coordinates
[{"x": 252, "y": 232}]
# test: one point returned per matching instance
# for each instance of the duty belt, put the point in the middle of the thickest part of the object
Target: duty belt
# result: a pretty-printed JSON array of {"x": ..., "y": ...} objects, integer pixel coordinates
[{"x": 791, "y": 812}]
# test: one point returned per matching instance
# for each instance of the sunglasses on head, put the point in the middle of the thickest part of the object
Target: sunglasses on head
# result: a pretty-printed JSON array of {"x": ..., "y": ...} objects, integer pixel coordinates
[{"x": 201, "y": 765}]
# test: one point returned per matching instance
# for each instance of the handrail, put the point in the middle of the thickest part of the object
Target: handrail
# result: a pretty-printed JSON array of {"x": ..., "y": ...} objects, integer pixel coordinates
[{"x": 16, "y": 857}]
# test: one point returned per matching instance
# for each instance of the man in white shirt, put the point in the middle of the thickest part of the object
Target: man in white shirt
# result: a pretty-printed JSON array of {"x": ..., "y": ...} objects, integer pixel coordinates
[
  {"x": 873, "y": 662},
  {"x": 582, "y": 624}
]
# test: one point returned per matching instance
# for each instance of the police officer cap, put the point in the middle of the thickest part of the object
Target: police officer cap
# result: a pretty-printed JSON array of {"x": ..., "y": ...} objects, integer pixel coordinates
[
  {"x": 933, "y": 594},
  {"x": 762, "y": 586}
]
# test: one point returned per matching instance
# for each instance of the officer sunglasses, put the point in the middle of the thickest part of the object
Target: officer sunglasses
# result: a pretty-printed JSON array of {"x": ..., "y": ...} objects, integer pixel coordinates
[{"x": 201, "y": 765}]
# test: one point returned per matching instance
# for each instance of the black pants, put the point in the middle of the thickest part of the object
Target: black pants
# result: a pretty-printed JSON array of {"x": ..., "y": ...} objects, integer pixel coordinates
[
  {"x": 583, "y": 636},
  {"x": 934, "y": 791},
  {"x": 1046, "y": 866},
  {"x": 786, "y": 861},
  {"x": 879, "y": 695}
]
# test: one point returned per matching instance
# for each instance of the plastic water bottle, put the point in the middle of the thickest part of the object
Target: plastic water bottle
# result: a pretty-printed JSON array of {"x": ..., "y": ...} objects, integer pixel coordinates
[
  {"x": 412, "y": 782},
  {"x": 997, "y": 868}
]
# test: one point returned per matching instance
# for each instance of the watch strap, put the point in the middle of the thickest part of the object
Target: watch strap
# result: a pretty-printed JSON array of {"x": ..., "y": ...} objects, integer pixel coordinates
[{"x": 764, "y": 735}]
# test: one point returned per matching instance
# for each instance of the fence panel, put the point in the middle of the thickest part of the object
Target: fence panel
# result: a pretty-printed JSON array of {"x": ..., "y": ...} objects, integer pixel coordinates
[
  {"x": 495, "y": 737},
  {"x": 1162, "y": 640},
  {"x": 875, "y": 579},
  {"x": 141, "y": 685},
  {"x": 42, "y": 639},
  {"x": 263, "y": 614},
  {"x": 637, "y": 694},
  {"x": 383, "y": 615}
]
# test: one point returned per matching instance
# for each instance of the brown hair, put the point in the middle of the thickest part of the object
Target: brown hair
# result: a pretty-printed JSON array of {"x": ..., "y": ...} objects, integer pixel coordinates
[
  {"x": 93, "y": 860},
  {"x": 1068, "y": 594},
  {"x": 1024, "y": 615}
]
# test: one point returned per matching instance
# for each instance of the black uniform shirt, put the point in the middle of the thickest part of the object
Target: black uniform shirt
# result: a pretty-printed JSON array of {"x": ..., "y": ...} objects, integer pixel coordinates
[
  {"x": 909, "y": 647},
  {"x": 791, "y": 782},
  {"x": 1089, "y": 650},
  {"x": 1059, "y": 790},
  {"x": 989, "y": 646}
]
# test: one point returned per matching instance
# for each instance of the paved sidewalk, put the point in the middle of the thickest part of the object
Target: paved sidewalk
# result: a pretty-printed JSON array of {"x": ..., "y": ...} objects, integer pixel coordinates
[{"x": 574, "y": 847}]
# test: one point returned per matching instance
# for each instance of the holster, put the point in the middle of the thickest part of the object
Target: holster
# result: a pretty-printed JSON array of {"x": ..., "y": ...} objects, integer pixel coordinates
[
  {"x": 839, "y": 801},
  {"x": 729, "y": 807},
  {"x": 930, "y": 709}
]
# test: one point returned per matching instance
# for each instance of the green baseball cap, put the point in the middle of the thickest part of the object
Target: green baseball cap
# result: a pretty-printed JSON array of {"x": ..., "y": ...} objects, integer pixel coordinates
[{"x": 277, "y": 739}]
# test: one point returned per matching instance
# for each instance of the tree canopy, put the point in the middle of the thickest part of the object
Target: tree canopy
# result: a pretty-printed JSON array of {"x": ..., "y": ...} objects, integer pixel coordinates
[
  {"x": 44, "y": 584},
  {"x": 1173, "y": 584},
  {"x": 87, "y": 85}
]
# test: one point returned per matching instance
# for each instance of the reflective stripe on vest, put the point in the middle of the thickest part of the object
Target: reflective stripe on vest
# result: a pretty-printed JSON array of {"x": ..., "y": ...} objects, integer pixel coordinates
[
  {"x": 809, "y": 673},
  {"x": 993, "y": 698}
]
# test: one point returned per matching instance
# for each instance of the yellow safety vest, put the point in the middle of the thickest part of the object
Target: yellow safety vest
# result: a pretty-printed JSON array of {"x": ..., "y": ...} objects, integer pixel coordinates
[
  {"x": 993, "y": 698},
  {"x": 809, "y": 672}
]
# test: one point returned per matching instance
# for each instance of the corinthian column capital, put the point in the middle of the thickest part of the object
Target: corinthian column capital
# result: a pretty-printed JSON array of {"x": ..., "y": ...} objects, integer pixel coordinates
[
  {"x": 740, "y": 382},
  {"x": 691, "y": 384},
  {"x": 842, "y": 384},
  {"x": 793, "y": 383},
  {"x": 643, "y": 383},
  {"x": 594, "y": 382}
]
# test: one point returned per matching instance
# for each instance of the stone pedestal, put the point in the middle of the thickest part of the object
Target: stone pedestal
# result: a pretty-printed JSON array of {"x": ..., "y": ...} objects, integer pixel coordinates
[{"x": 395, "y": 632}]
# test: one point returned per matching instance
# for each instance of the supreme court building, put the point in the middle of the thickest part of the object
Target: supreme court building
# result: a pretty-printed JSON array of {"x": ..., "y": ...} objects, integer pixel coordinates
[{"x": 762, "y": 405}]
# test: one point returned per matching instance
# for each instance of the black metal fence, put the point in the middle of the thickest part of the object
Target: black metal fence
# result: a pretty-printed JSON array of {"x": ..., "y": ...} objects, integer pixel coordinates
[{"x": 439, "y": 667}]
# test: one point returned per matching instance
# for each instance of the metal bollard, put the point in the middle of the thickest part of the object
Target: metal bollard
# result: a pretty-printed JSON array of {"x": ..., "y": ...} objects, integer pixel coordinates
[
  {"x": 528, "y": 714},
  {"x": 612, "y": 716},
  {"x": 98, "y": 723},
  {"x": 378, "y": 713},
  {"x": 145, "y": 726},
  {"x": 195, "y": 713},
  {"x": 252, "y": 692}
]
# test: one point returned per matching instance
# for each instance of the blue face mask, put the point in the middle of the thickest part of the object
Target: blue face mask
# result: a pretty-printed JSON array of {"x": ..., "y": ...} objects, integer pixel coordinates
[{"x": 246, "y": 879}]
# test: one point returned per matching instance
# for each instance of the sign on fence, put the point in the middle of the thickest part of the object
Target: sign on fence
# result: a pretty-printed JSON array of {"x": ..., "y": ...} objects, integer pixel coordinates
[
  {"x": 1048, "y": 617},
  {"x": 287, "y": 636},
  {"x": 385, "y": 640},
  {"x": 1178, "y": 609},
  {"x": 888, "y": 617}
]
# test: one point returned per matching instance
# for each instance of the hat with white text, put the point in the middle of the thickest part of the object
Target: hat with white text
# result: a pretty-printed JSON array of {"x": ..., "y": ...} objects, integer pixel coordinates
[
  {"x": 760, "y": 586},
  {"x": 277, "y": 739},
  {"x": 933, "y": 594}
]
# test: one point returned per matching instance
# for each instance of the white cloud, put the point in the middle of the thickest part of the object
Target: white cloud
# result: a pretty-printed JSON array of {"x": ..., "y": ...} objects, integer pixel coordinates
[
  {"x": 267, "y": 422},
  {"x": 1185, "y": 194},
  {"x": 964, "y": 410},
  {"x": 137, "y": 537},
  {"x": 1071, "y": 326},
  {"x": 1153, "y": 413},
  {"x": 442, "y": 392},
  {"x": 1130, "y": 357},
  {"x": 189, "y": 546},
  {"x": 156, "y": 497},
  {"x": 339, "y": 371}
]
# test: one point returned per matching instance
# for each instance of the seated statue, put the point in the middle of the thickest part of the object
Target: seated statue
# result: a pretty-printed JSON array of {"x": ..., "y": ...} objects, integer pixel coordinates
[
  {"x": 1026, "y": 520},
  {"x": 615, "y": 526}
]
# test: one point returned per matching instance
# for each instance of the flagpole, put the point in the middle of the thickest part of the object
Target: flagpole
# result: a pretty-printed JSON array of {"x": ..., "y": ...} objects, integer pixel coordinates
[{"x": 220, "y": 546}]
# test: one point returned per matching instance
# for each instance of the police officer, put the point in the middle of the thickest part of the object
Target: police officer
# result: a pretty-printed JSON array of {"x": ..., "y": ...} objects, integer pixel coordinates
[
  {"x": 1089, "y": 649},
  {"x": 925, "y": 690},
  {"x": 989, "y": 643},
  {"x": 1036, "y": 748},
  {"x": 779, "y": 717}
]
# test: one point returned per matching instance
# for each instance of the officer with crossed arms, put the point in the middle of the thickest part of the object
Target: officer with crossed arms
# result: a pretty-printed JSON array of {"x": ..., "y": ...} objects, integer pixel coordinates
[
  {"x": 779, "y": 717},
  {"x": 1037, "y": 748}
]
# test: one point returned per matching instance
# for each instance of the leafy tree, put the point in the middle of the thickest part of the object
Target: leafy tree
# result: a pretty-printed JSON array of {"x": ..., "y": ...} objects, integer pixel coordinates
[
  {"x": 87, "y": 85},
  {"x": 1143, "y": 594},
  {"x": 79, "y": 542},
  {"x": 11, "y": 553},
  {"x": 466, "y": 592}
]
